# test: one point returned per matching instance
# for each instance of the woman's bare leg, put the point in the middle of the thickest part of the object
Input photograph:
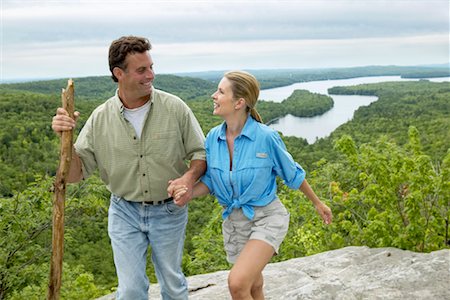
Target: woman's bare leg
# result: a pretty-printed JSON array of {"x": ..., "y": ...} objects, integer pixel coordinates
[
  {"x": 245, "y": 280},
  {"x": 257, "y": 288}
]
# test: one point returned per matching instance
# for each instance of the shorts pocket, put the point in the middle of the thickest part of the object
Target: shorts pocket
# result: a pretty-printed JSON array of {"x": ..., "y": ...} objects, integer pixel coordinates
[
  {"x": 229, "y": 238},
  {"x": 272, "y": 228}
]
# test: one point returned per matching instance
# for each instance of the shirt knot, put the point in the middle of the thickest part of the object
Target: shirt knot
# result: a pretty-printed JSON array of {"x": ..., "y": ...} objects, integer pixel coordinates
[{"x": 246, "y": 209}]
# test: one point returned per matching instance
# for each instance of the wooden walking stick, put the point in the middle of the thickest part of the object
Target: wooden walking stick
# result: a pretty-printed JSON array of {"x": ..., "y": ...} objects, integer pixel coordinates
[{"x": 54, "y": 285}]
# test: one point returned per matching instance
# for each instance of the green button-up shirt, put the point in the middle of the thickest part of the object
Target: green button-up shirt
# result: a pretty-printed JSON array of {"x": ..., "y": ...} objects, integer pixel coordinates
[{"x": 139, "y": 169}]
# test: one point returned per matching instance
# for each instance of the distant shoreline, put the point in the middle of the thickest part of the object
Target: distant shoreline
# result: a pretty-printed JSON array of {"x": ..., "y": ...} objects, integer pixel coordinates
[{"x": 430, "y": 71}]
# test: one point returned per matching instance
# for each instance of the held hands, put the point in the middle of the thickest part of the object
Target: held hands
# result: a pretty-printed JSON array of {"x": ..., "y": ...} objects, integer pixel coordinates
[
  {"x": 180, "y": 192},
  {"x": 62, "y": 122},
  {"x": 325, "y": 212}
]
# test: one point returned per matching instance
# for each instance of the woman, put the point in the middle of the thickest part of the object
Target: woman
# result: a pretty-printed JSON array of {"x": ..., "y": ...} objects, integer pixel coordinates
[{"x": 244, "y": 157}]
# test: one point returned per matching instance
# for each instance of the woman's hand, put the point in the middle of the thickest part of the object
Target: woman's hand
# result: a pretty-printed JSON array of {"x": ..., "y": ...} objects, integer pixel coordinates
[
  {"x": 325, "y": 212},
  {"x": 177, "y": 191}
]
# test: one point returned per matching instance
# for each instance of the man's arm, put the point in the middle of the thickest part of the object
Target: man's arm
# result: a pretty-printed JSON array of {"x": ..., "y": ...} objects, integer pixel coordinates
[
  {"x": 196, "y": 169},
  {"x": 62, "y": 122},
  {"x": 75, "y": 171}
]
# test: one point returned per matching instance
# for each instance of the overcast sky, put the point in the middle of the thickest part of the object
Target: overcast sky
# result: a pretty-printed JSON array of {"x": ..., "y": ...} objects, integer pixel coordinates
[{"x": 70, "y": 38}]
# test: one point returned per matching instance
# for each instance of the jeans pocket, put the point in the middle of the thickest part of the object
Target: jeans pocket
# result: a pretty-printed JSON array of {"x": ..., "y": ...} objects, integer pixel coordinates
[
  {"x": 116, "y": 199},
  {"x": 174, "y": 209}
]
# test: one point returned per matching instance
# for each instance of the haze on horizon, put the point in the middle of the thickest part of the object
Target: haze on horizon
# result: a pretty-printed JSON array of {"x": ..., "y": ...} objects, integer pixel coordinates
[{"x": 70, "y": 38}]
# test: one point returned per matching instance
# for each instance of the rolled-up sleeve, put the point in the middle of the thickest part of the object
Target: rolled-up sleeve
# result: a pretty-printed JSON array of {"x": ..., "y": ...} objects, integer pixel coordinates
[
  {"x": 193, "y": 137},
  {"x": 206, "y": 178},
  {"x": 85, "y": 149},
  {"x": 284, "y": 165}
]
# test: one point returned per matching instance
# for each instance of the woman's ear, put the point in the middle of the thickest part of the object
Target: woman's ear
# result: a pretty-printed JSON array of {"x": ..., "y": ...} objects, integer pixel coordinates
[{"x": 239, "y": 103}]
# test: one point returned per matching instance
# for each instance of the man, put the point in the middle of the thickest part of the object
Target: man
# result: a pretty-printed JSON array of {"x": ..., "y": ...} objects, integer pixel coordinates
[{"x": 139, "y": 140}]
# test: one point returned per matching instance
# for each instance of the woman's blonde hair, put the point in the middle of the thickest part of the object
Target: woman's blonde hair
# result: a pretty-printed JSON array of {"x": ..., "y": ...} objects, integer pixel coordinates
[{"x": 245, "y": 85}]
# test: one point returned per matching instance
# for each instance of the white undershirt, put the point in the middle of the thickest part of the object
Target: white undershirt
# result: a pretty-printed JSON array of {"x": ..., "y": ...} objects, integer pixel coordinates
[{"x": 136, "y": 116}]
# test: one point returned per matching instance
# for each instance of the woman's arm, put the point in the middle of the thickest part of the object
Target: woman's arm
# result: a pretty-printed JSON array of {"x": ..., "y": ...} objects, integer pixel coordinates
[
  {"x": 177, "y": 191},
  {"x": 323, "y": 210}
]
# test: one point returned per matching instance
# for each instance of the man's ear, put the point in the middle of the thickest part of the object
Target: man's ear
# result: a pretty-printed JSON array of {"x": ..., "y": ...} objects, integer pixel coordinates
[{"x": 118, "y": 72}]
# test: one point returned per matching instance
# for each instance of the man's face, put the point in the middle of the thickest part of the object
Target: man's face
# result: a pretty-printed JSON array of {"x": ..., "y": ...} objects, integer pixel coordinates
[{"x": 138, "y": 76}]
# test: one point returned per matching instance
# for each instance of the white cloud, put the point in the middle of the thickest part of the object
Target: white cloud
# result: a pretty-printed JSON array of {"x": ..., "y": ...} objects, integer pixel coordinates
[
  {"x": 227, "y": 20},
  {"x": 184, "y": 57},
  {"x": 204, "y": 35}
]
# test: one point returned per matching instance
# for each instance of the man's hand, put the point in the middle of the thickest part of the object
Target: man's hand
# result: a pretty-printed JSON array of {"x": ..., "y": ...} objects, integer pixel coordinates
[
  {"x": 181, "y": 191},
  {"x": 62, "y": 122},
  {"x": 178, "y": 191},
  {"x": 196, "y": 170}
]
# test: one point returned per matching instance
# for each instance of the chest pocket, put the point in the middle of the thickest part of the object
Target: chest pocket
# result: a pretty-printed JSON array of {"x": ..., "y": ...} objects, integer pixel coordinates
[
  {"x": 254, "y": 173},
  {"x": 255, "y": 163},
  {"x": 217, "y": 169},
  {"x": 166, "y": 143}
]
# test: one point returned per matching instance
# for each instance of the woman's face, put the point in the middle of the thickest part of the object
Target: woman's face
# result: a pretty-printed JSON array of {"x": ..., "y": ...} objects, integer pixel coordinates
[{"x": 223, "y": 99}]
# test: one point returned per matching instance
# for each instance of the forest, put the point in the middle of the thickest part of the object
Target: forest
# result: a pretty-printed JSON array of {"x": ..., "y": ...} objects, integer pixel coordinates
[
  {"x": 277, "y": 78},
  {"x": 385, "y": 174}
]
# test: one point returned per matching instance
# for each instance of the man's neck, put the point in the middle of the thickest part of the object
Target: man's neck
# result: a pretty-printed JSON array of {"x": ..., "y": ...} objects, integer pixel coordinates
[{"x": 130, "y": 102}]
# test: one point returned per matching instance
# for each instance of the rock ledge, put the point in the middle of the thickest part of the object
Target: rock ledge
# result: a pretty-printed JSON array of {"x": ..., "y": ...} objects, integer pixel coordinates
[{"x": 347, "y": 273}]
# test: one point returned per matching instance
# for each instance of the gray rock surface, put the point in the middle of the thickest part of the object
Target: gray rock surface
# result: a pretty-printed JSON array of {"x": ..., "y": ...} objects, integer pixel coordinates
[{"x": 348, "y": 273}]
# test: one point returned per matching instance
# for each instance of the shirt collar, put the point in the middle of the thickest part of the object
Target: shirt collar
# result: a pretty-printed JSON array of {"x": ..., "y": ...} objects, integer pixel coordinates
[
  {"x": 248, "y": 131},
  {"x": 117, "y": 101},
  {"x": 120, "y": 105}
]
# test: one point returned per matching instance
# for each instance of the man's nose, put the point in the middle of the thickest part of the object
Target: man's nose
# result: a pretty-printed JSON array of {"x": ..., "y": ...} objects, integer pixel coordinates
[{"x": 150, "y": 73}]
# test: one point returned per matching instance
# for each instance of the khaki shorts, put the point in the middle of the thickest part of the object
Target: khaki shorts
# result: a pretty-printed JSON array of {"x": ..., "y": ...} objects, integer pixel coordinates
[{"x": 270, "y": 224}]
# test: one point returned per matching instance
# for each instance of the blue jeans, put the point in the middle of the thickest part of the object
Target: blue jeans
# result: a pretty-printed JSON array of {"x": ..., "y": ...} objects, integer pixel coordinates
[{"x": 132, "y": 227}]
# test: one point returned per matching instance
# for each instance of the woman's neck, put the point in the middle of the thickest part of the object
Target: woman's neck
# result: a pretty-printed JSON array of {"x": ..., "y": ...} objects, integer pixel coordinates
[{"x": 235, "y": 124}]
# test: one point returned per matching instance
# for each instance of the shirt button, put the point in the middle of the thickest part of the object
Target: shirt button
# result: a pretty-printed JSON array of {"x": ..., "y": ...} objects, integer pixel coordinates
[
  {"x": 146, "y": 192},
  {"x": 141, "y": 155},
  {"x": 134, "y": 138},
  {"x": 143, "y": 174}
]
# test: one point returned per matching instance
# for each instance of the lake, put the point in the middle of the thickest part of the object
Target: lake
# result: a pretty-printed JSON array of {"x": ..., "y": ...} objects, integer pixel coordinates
[{"x": 344, "y": 105}]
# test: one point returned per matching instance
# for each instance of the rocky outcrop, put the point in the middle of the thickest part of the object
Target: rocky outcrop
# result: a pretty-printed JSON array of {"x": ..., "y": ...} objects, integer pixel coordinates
[{"x": 348, "y": 273}]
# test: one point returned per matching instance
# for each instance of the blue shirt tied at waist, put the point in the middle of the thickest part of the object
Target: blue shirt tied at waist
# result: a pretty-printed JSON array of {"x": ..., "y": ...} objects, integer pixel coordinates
[
  {"x": 246, "y": 208},
  {"x": 259, "y": 156}
]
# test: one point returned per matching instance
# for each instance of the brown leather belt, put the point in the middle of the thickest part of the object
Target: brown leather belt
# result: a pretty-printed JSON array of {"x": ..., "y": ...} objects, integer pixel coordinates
[{"x": 157, "y": 202}]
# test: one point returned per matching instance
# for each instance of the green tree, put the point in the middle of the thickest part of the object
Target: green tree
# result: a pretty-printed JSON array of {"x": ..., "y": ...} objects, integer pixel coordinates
[
  {"x": 386, "y": 195},
  {"x": 25, "y": 234}
]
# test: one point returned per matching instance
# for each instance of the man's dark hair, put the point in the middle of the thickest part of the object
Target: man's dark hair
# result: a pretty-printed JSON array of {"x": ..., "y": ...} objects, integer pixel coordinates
[{"x": 123, "y": 46}]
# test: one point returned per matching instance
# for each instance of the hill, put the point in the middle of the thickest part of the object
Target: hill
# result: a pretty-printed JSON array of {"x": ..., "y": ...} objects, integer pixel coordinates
[
  {"x": 28, "y": 145},
  {"x": 385, "y": 174},
  {"x": 283, "y": 77},
  {"x": 103, "y": 87},
  {"x": 421, "y": 104}
]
